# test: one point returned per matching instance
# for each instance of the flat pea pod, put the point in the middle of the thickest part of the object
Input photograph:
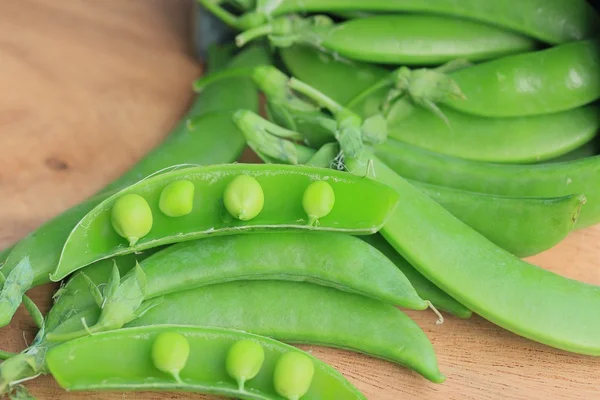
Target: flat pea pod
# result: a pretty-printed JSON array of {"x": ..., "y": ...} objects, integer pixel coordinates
[
  {"x": 552, "y": 21},
  {"x": 541, "y": 82},
  {"x": 513, "y": 294},
  {"x": 330, "y": 259},
  {"x": 93, "y": 239},
  {"x": 502, "y": 140},
  {"x": 396, "y": 38},
  {"x": 302, "y": 313},
  {"x": 425, "y": 288},
  {"x": 421, "y": 40},
  {"x": 119, "y": 360},
  {"x": 330, "y": 75},
  {"x": 536, "y": 180},
  {"x": 210, "y": 111},
  {"x": 522, "y": 225}
]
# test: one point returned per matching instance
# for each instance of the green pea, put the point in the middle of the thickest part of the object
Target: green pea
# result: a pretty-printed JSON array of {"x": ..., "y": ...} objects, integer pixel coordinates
[
  {"x": 318, "y": 200},
  {"x": 244, "y": 197},
  {"x": 170, "y": 352},
  {"x": 293, "y": 375},
  {"x": 244, "y": 360},
  {"x": 131, "y": 217},
  {"x": 177, "y": 198}
]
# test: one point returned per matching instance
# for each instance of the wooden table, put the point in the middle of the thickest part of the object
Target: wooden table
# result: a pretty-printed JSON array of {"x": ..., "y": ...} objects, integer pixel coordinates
[{"x": 89, "y": 86}]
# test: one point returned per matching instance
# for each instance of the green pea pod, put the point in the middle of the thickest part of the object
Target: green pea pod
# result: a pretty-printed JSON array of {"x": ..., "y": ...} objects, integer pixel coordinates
[
  {"x": 329, "y": 259},
  {"x": 537, "y": 180},
  {"x": 121, "y": 361},
  {"x": 330, "y": 74},
  {"x": 94, "y": 239},
  {"x": 522, "y": 225},
  {"x": 552, "y": 21},
  {"x": 542, "y": 82},
  {"x": 303, "y": 313},
  {"x": 424, "y": 287},
  {"x": 43, "y": 246},
  {"x": 395, "y": 39},
  {"x": 520, "y": 297},
  {"x": 505, "y": 140}
]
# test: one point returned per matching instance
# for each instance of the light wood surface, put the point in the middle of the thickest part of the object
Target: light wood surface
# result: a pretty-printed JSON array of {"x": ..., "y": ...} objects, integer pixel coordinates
[{"x": 88, "y": 87}]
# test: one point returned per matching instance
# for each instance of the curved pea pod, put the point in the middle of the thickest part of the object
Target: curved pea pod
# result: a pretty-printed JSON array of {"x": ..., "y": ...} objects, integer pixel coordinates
[
  {"x": 303, "y": 313},
  {"x": 541, "y": 82},
  {"x": 552, "y": 21},
  {"x": 395, "y": 39},
  {"x": 520, "y": 297},
  {"x": 410, "y": 40},
  {"x": 537, "y": 180},
  {"x": 426, "y": 290},
  {"x": 209, "y": 114},
  {"x": 330, "y": 259},
  {"x": 503, "y": 140},
  {"x": 94, "y": 239},
  {"x": 522, "y": 225},
  {"x": 330, "y": 74},
  {"x": 120, "y": 360}
]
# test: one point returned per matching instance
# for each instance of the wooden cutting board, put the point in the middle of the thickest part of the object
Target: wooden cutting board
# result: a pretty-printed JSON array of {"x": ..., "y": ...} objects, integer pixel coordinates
[{"x": 89, "y": 86}]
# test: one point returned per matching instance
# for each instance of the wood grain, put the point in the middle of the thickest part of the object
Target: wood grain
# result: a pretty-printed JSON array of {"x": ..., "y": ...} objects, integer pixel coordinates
[{"x": 88, "y": 87}]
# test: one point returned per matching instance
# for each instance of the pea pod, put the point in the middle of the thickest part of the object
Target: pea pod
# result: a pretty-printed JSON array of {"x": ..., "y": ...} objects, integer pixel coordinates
[
  {"x": 302, "y": 313},
  {"x": 330, "y": 259},
  {"x": 93, "y": 238},
  {"x": 541, "y": 82},
  {"x": 504, "y": 140},
  {"x": 424, "y": 287},
  {"x": 395, "y": 39},
  {"x": 552, "y": 21},
  {"x": 120, "y": 360},
  {"x": 537, "y": 180},
  {"x": 520, "y": 297},
  {"x": 43, "y": 246}
]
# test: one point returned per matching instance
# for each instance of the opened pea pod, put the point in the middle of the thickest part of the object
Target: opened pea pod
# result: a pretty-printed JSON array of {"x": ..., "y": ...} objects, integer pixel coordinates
[
  {"x": 206, "y": 360},
  {"x": 217, "y": 207}
]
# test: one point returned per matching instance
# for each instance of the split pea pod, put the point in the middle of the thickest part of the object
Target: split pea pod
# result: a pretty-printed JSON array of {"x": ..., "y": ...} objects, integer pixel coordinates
[
  {"x": 44, "y": 245},
  {"x": 552, "y": 21},
  {"x": 537, "y": 180},
  {"x": 425, "y": 289},
  {"x": 541, "y": 82},
  {"x": 503, "y": 140},
  {"x": 520, "y": 297},
  {"x": 93, "y": 238},
  {"x": 302, "y": 313},
  {"x": 395, "y": 39},
  {"x": 120, "y": 360}
]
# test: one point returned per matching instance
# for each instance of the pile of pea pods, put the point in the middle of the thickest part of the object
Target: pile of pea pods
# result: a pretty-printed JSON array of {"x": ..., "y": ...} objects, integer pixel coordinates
[{"x": 413, "y": 152}]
